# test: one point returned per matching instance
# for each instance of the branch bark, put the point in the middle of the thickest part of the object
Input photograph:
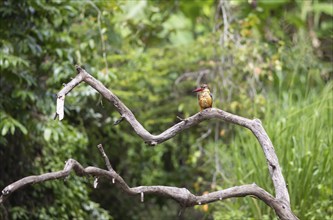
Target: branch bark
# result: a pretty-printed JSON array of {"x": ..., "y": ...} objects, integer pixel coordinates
[{"x": 280, "y": 203}]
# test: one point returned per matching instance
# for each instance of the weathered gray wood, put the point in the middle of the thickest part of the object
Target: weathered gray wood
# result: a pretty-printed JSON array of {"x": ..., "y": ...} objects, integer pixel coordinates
[{"x": 280, "y": 203}]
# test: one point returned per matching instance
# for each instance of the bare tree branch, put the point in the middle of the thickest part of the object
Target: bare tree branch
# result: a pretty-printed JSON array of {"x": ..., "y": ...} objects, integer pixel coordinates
[
  {"x": 138, "y": 128},
  {"x": 280, "y": 203},
  {"x": 183, "y": 196},
  {"x": 254, "y": 125},
  {"x": 106, "y": 159}
]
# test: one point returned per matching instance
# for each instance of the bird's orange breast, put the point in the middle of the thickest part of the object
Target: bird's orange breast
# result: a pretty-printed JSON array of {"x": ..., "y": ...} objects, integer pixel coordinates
[{"x": 205, "y": 100}]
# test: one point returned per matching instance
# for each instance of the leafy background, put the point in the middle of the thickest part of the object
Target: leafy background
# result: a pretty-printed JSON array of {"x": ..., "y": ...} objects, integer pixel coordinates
[{"x": 262, "y": 59}]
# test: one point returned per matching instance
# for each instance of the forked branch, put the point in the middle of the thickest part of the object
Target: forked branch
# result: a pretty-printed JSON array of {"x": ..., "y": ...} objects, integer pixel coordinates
[
  {"x": 183, "y": 196},
  {"x": 280, "y": 203}
]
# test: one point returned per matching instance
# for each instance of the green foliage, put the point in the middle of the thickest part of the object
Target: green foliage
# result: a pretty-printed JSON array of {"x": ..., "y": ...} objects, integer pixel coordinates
[
  {"x": 304, "y": 158},
  {"x": 35, "y": 59},
  {"x": 8, "y": 123},
  {"x": 151, "y": 54}
]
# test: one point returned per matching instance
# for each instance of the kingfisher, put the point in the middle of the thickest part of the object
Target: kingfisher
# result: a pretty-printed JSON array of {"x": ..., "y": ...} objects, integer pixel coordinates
[{"x": 205, "y": 98}]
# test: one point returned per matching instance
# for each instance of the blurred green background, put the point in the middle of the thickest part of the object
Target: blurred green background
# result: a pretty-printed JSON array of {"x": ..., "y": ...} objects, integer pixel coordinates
[{"x": 262, "y": 59}]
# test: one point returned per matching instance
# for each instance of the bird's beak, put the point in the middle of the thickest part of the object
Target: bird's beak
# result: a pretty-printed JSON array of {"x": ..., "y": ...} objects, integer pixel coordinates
[{"x": 197, "y": 90}]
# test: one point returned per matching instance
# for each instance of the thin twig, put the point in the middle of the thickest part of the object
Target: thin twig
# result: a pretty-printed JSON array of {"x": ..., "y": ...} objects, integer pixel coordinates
[
  {"x": 106, "y": 159},
  {"x": 99, "y": 18},
  {"x": 118, "y": 121}
]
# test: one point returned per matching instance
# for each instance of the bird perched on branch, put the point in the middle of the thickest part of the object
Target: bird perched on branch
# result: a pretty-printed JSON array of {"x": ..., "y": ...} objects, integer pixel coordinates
[{"x": 205, "y": 98}]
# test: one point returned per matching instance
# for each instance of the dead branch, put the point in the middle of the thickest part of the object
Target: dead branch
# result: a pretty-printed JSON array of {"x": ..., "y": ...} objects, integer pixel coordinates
[
  {"x": 183, "y": 196},
  {"x": 280, "y": 203}
]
